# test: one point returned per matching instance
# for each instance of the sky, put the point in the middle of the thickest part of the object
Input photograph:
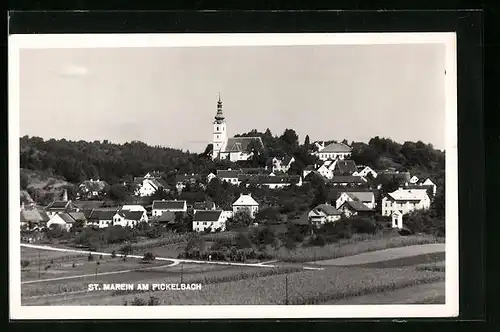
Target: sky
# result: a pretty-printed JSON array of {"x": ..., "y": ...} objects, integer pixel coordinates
[{"x": 168, "y": 96}]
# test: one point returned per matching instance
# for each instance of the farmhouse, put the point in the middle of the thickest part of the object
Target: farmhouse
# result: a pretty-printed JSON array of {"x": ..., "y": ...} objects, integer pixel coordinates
[
  {"x": 66, "y": 220},
  {"x": 174, "y": 206},
  {"x": 204, "y": 206},
  {"x": 278, "y": 181},
  {"x": 235, "y": 148},
  {"x": 129, "y": 218},
  {"x": 230, "y": 176},
  {"x": 33, "y": 217},
  {"x": 246, "y": 203},
  {"x": 355, "y": 208},
  {"x": 365, "y": 197},
  {"x": 148, "y": 186},
  {"x": 365, "y": 171},
  {"x": 334, "y": 151},
  {"x": 61, "y": 206},
  {"x": 344, "y": 167},
  {"x": 102, "y": 217},
  {"x": 324, "y": 213},
  {"x": 405, "y": 201},
  {"x": 182, "y": 180},
  {"x": 91, "y": 189},
  {"x": 213, "y": 220},
  {"x": 167, "y": 218},
  {"x": 282, "y": 164}
]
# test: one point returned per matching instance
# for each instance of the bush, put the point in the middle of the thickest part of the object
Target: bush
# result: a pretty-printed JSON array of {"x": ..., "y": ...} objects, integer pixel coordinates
[
  {"x": 425, "y": 221},
  {"x": 363, "y": 225},
  {"x": 113, "y": 254},
  {"x": 405, "y": 232},
  {"x": 24, "y": 263},
  {"x": 148, "y": 256},
  {"x": 317, "y": 240},
  {"x": 90, "y": 258}
]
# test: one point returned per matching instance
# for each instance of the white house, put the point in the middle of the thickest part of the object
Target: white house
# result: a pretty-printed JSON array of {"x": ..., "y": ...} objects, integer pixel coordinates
[
  {"x": 66, "y": 220},
  {"x": 246, "y": 203},
  {"x": 334, "y": 151},
  {"x": 326, "y": 169},
  {"x": 149, "y": 186},
  {"x": 404, "y": 201},
  {"x": 354, "y": 208},
  {"x": 230, "y": 176},
  {"x": 428, "y": 182},
  {"x": 282, "y": 164},
  {"x": 365, "y": 197},
  {"x": 134, "y": 208},
  {"x": 209, "y": 219},
  {"x": 101, "y": 218},
  {"x": 129, "y": 218},
  {"x": 60, "y": 206},
  {"x": 397, "y": 219},
  {"x": 364, "y": 171},
  {"x": 159, "y": 207},
  {"x": 278, "y": 181},
  {"x": 414, "y": 179},
  {"x": 235, "y": 148},
  {"x": 324, "y": 213},
  {"x": 210, "y": 177}
]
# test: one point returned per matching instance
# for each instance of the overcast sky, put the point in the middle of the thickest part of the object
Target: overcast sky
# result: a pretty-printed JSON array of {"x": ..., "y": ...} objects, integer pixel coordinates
[{"x": 168, "y": 96}]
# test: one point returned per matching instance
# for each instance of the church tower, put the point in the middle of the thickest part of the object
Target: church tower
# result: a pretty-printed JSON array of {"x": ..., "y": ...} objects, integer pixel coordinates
[{"x": 220, "y": 131}]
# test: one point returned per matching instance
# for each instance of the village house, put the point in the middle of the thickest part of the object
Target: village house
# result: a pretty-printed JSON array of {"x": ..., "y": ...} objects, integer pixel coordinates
[
  {"x": 326, "y": 169},
  {"x": 67, "y": 220},
  {"x": 344, "y": 167},
  {"x": 129, "y": 218},
  {"x": 246, "y": 203},
  {"x": 404, "y": 201},
  {"x": 170, "y": 205},
  {"x": 60, "y": 206},
  {"x": 416, "y": 183},
  {"x": 91, "y": 189},
  {"x": 230, "y": 176},
  {"x": 355, "y": 208},
  {"x": 33, "y": 217},
  {"x": 166, "y": 219},
  {"x": 365, "y": 197},
  {"x": 213, "y": 220},
  {"x": 210, "y": 177},
  {"x": 348, "y": 180},
  {"x": 102, "y": 217},
  {"x": 282, "y": 164},
  {"x": 308, "y": 170},
  {"x": 153, "y": 175},
  {"x": 204, "y": 206},
  {"x": 278, "y": 181},
  {"x": 414, "y": 179},
  {"x": 365, "y": 171},
  {"x": 334, "y": 151},
  {"x": 235, "y": 148},
  {"x": 323, "y": 213},
  {"x": 183, "y": 180},
  {"x": 148, "y": 186}
]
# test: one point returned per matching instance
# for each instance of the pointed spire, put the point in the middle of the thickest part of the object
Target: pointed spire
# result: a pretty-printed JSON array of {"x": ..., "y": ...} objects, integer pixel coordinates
[{"x": 219, "y": 115}]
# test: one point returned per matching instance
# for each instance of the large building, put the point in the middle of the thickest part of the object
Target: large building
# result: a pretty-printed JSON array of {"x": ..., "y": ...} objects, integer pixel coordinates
[{"x": 234, "y": 148}]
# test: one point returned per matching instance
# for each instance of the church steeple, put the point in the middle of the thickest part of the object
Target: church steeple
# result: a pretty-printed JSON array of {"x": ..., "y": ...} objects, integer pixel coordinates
[{"x": 220, "y": 115}]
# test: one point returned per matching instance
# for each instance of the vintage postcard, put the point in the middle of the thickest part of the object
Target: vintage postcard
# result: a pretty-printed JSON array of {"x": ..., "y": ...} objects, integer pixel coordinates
[{"x": 233, "y": 176}]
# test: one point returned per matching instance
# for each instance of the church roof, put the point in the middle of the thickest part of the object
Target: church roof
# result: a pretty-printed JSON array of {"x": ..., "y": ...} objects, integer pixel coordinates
[{"x": 240, "y": 144}]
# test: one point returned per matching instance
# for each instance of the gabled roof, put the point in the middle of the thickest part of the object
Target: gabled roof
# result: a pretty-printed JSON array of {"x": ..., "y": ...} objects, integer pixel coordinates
[
  {"x": 34, "y": 215},
  {"x": 240, "y": 144},
  {"x": 245, "y": 200},
  {"x": 203, "y": 205},
  {"x": 166, "y": 216},
  {"x": 60, "y": 206},
  {"x": 130, "y": 215},
  {"x": 347, "y": 179},
  {"x": 77, "y": 216},
  {"x": 409, "y": 194},
  {"x": 336, "y": 147},
  {"x": 168, "y": 205},
  {"x": 286, "y": 160},
  {"x": 345, "y": 166},
  {"x": 355, "y": 206},
  {"x": 362, "y": 196},
  {"x": 102, "y": 214},
  {"x": 207, "y": 215},
  {"x": 224, "y": 174},
  {"x": 88, "y": 205},
  {"x": 325, "y": 209},
  {"x": 255, "y": 171}
]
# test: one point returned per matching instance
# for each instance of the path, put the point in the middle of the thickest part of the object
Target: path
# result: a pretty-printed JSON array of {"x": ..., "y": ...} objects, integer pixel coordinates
[{"x": 384, "y": 255}]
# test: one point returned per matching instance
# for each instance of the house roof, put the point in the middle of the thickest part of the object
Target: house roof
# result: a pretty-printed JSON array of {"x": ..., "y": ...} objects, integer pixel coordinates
[
  {"x": 362, "y": 196},
  {"x": 166, "y": 216},
  {"x": 336, "y": 147},
  {"x": 61, "y": 206},
  {"x": 25, "y": 197},
  {"x": 345, "y": 166},
  {"x": 241, "y": 144},
  {"x": 255, "y": 171},
  {"x": 133, "y": 207},
  {"x": 168, "y": 205},
  {"x": 94, "y": 185},
  {"x": 286, "y": 160},
  {"x": 347, "y": 179},
  {"x": 138, "y": 179},
  {"x": 245, "y": 200},
  {"x": 34, "y": 215},
  {"x": 102, "y": 214},
  {"x": 409, "y": 194},
  {"x": 65, "y": 217},
  {"x": 278, "y": 179},
  {"x": 207, "y": 215},
  {"x": 228, "y": 173},
  {"x": 187, "y": 177},
  {"x": 130, "y": 215},
  {"x": 88, "y": 205},
  {"x": 203, "y": 205},
  {"x": 326, "y": 209},
  {"x": 356, "y": 206},
  {"x": 77, "y": 216}
]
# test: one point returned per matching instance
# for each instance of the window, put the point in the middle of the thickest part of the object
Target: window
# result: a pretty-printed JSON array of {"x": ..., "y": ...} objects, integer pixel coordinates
[{"x": 217, "y": 128}]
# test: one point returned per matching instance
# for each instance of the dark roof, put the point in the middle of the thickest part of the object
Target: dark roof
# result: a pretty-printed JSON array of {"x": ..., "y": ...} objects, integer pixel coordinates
[
  {"x": 336, "y": 147},
  {"x": 131, "y": 215},
  {"x": 277, "y": 179},
  {"x": 327, "y": 209},
  {"x": 203, "y": 205},
  {"x": 168, "y": 205},
  {"x": 255, "y": 171},
  {"x": 138, "y": 179},
  {"x": 78, "y": 216},
  {"x": 166, "y": 216},
  {"x": 347, "y": 179},
  {"x": 102, "y": 214},
  {"x": 228, "y": 173},
  {"x": 86, "y": 205},
  {"x": 240, "y": 144},
  {"x": 61, "y": 206},
  {"x": 345, "y": 167},
  {"x": 66, "y": 217},
  {"x": 356, "y": 206},
  {"x": 207, "y": 215}
]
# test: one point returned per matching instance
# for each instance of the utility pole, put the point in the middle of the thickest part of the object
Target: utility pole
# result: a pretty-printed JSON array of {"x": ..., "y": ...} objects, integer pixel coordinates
[
  {"x": 286, "y": 289},
  {"x": 38, "y": 263}
]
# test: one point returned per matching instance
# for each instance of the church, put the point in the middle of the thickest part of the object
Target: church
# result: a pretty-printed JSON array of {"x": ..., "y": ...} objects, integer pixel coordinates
[{"x": 234, "y": 148}]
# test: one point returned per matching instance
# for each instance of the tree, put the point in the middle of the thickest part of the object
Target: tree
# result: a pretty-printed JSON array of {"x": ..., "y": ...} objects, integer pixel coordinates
[
  {"x": 290, "y": 138},
  {"x": 242, "y": 241},
  {"x": 148, "y": 257},
  {"x": 241, "y": 219},
  {"x": 117, "y": 192},
  {"x": 307, "y": 143},
  {"x": 24, "y": 181}
]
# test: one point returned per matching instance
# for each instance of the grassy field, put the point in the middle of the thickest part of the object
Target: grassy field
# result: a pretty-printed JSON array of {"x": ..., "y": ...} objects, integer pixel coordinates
[{"x": 307, "y": 287}]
